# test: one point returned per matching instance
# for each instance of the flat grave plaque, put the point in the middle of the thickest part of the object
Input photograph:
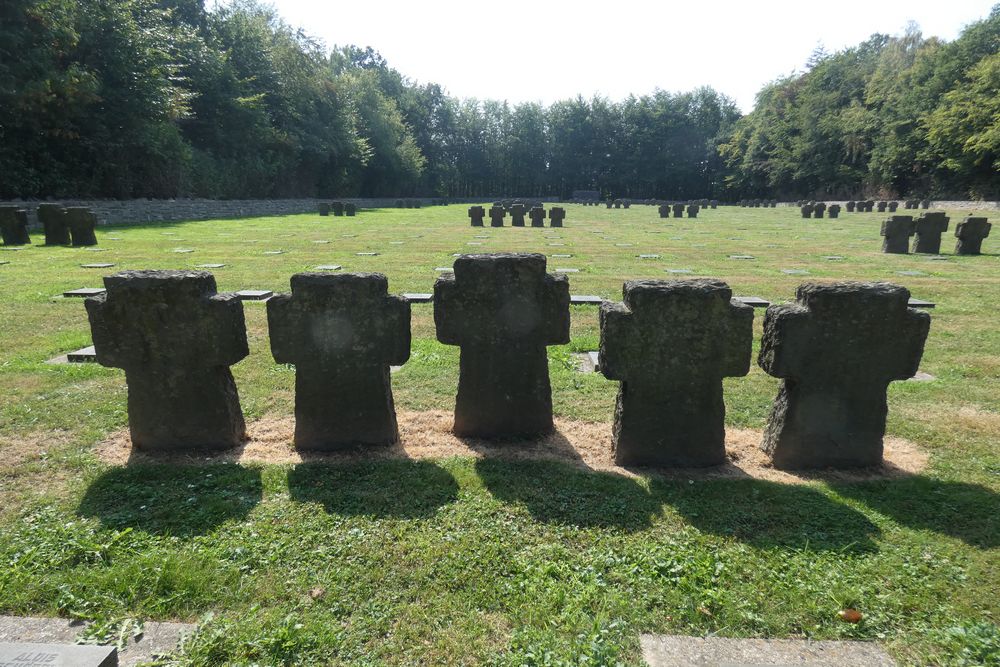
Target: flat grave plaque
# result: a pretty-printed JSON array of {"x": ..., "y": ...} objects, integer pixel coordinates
[
  {"x": 680, "y": 651},
  {"x": 85, "y": 355},
  {"x": 57, "y": 655},
  {"x": 328, "y": 267},
  {"x": 254, "y": 294},
  {"x": 183, "y": 250},
  {"x": 795, "y": 272},
  {"x": 4, "y": 261},
  {"x": 754, "y": 301},
  {"x": 85, "y": 292},
  {"x": 100, "y": 265},
  {"x": 209, "y": 266},
  {"x": 920, "y": 303},
  {"x": 560, "y": 256},
  {"x": 567, "y": 270},
  {"x": 397, "y": 242},
  {"x": 833, "y": 258},
  {"x": 418, "y": 297},
  {"x": 741, "y": 256},
  {"x": 679, "y": 271},
  {"x": 624, "y": 245},
  {"x": 274, "y": 252},
  {"x": 12, "y": 248},
  {"x": 324, "y": 241},
  {"x": 911, "y": 273},
  {"x": 96, "y": 249},
  {"x": 366, "y": 254},
  {"x": 586, "y": 299},
  {"x": 649, "y": 256}
]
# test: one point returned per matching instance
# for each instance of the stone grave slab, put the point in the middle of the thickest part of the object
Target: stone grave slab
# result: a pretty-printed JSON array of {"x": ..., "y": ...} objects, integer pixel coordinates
[
  {"x": 833, "y": 258},
  {"x": 624, "y": 245},
  {"x": 99, "y": 265},
  {"x": 649, "y": 256},
  {"x": 96, "y": 249},
  {"x": 742, "y": 257},
  {"x": 3, "y": 261},
  {"x": 585, "y": 300},
  {"x": 557, "y": 244},
  {"x": 679, "y": 651},
  {"x": 183, "y": 251},
  {"x": 474, "y": 243},
  {"x": 560, "y": 256},
  {"x": 443, "y": 269},
  {"x": 84, "y": 292},
  {"x": 20, "y": 654},
  {"x": 329, "y": 267},
  {"x": 911, "y": 273},
  {"x": 156, "y": 638},
  {"x": 567, "y": 270},
  {"x": 397, "y": 242},
  {"x": 754, "y": 301},
  {"x": 587, "y": 362},
  {"x": 920, "y": 303},
  {"x": 254, "y": 294},
  {"x": 85, "y": 355},
  {"x": 12, "y": 248},
  {"x": 679, "y": 271},
  {"x": 795, "y": 272},
  {"x": 366, "y": 254},
  {"x": 274, "y": 252},
  {"x": 321, "y": 241},
  {"x": 210, "y": 266},
  {"x": 418, "y": 297},
  {"x": 921, "y": 376}
]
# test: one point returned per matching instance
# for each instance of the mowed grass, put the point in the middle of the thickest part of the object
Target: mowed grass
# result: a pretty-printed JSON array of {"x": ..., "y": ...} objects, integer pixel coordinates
[{"x": 485, "y": 562}]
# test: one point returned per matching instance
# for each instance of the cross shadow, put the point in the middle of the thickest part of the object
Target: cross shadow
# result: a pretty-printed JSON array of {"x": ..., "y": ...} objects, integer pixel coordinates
[
  {"x": 969, "y": 512},
  {"x": 401, "y": 488},
  {"x": 768, "y": 514},
  {"x": 174, "y": 500},
  {"x": 556, "y": 492}
]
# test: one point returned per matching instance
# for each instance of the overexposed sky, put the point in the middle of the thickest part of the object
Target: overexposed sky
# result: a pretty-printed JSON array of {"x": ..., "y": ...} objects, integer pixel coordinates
[{"x": 543, "y": 50}]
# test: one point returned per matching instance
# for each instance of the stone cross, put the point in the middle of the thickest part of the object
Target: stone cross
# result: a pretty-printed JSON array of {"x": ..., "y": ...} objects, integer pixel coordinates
[
  {"x": 82, "y": 225},
  {"x": 324, "y": 209},
  {"x": 342, "y": 332},
  {"x": 350, "y": 209},
  {"x": 869, "y": 206},
  {"x": 53, "y": 219},
  {"x": 670, "y": 344},
  {"x": 175, "y": 337},
  {"x": 14, "y": 226},
  {"x": 837, "y": 348},
  {"x": 970, "y": 234},
  {"x": 556, "y": 216},
  {"x": 893, "y": 205},
  {"x": 929, "y": 227},
  {"x": 714, "y": 203},
  {"x": 502, "y": 310},
  {"x": 806, "y": 210},
  {"x": 517, "y": 215},
  {"x": 819, "y": 209},
  {"x": 618, "y": 203},
  {"x": 626, "y": 203},
  {"x": 337, "y": 207},
  {"x": 925, "y": 203},
  {"x": 897, "y": 230},
  {"x": 693, "y": 210},
  {"x": 497, "y": 214},
  {"x": 678, "y": 210},
  {"x": 608, "y": 203},
  {"x": 881, "y": 206},
  {"x": 537, "y": 215},
  {"x": 850, "y": 206},
  {"x": 834, "y": 211},
  {"x": 664, "y": 210},
  {"x": 476, "y": 214}
]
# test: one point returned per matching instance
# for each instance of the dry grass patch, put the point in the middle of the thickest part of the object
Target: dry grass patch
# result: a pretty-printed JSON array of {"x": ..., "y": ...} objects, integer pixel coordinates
[{"x": 427, "y": 435}]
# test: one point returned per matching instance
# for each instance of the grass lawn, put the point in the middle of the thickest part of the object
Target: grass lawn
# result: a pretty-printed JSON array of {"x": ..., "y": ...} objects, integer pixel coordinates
[{"x": 466, "y": 561}]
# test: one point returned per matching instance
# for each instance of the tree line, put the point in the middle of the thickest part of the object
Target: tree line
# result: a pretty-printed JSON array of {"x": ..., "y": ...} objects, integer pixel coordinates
[{"x": 164, "y": 98}]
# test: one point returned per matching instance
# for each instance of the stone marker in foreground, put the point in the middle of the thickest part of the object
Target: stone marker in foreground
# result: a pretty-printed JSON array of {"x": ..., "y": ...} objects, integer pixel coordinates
[
  {"x": 537, "y": 215},
  {"x": 970, "y": 234},
  {"x": 342, "y": 332},
  {"x": 175, "y": 337},
  {"x": 476, "y": 215},
  {"x": 928, "y": 230},
  {"x": 54, "y": 223},
  {"x": 896, "y": 233},
  {"x": 14, "y": 226},
  {"x": 837, "y": 348},
  {"x": 670, "y": 344},
  {"x": 503, "y": 310},
  {"x": 82, "y": 225},
  {"x": 517, "y": 215},
  {"x": 57, "y": 655},
  {"x": 681, "y": 651},
  {"x": 497, "y": 214},
  {"x": 556, "y": 216}
]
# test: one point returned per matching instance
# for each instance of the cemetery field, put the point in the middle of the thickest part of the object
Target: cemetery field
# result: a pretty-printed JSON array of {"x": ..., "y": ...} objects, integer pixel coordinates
[{"x": 497, "y": 561}]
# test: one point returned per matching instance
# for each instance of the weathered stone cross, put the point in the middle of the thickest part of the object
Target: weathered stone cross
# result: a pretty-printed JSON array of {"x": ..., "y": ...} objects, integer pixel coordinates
[{"x": 970, "y": 234}]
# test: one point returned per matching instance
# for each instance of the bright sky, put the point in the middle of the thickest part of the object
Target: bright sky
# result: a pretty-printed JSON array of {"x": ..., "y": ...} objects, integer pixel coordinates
[{"x": 545, "y": 50}]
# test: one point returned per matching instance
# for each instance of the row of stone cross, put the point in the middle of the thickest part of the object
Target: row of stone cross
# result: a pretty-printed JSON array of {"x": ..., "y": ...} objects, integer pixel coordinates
[
  {"x": 678, "y": 209},
  {"x": 670, "y": 344},
  {"x": 760, "y": 203},
  {"x": 517, "y": 212},
  {"x": 339, "y": 208},
  {"x": 927, "y": 230},
  {"x": 627, "y": 203},
  {"x": 73, "y": 225}
]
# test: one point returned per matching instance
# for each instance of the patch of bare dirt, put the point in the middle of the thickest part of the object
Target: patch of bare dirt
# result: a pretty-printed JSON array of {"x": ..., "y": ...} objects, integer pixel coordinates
[
  {"x": 427, "y": 435},
  {"x": 16, "y": 450}
]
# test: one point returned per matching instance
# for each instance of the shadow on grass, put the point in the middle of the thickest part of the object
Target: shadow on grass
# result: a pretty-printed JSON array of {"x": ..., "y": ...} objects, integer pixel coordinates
[
  {"x": 405, "y": 489},
  {"x": 556, "y": 492},
  {"x": 768, "y": 514},
  {"x": 172, "y": 500},
  {"x": 969, "y": 512}
]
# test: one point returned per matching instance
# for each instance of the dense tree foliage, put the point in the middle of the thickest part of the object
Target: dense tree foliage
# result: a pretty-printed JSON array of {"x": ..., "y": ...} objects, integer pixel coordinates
[
  {"x": 163, "y": 98},
  {"x": 893, "y": 116}
]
